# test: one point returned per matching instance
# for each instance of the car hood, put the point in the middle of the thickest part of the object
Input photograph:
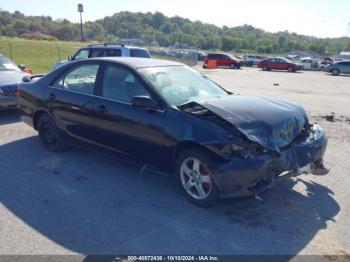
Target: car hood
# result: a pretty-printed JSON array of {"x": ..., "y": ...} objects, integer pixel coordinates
[
  {"x": 11, "y": 77},
  {"x": 272, "y": 123}
]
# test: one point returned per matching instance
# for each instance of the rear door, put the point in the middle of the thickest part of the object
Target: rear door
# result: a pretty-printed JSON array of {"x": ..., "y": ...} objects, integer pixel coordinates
[
  {"x": 70, "y": 99},
  {"x": 225, "y": 60},
  {"x": 272, "y": 63}
]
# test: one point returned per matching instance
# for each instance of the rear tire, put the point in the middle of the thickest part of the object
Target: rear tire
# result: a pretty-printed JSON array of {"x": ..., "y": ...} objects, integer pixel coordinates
[
  {"x": 49, "y": 134},
  {"x": 335, "y": 72},
  {"x": 265, "y": 68},
  {"x": 195, "y": 178}
]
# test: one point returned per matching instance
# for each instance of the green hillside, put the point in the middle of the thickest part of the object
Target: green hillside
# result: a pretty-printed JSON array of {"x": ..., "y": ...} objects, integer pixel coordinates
[
  {"x": 38, "y": 55},
  {"x": 168, "y": 30}
]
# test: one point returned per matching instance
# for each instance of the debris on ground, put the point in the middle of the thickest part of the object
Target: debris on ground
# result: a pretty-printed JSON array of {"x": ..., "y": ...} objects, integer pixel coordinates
[{"x": 330, "y": 118}]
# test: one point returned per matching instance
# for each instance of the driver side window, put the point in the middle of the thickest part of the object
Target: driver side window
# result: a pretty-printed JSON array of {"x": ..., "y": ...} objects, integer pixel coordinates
[{"x": 121, "y": 84}]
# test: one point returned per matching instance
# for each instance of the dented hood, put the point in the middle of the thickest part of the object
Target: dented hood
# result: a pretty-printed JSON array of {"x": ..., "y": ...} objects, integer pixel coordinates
[{"x": 272, "y": 123}]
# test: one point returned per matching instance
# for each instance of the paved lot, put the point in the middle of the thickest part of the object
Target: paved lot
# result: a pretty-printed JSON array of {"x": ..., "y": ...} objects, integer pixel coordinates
[{"x": 88, "y": 203}]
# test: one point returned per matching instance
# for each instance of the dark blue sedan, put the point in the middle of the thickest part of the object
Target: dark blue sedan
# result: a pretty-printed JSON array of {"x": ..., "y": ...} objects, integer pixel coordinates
[{"x": 169, "y": 117}]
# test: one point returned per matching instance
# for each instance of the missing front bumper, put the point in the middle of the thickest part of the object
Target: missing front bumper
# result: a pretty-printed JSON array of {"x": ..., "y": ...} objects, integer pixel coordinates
[{"x": 237, "y": 177}]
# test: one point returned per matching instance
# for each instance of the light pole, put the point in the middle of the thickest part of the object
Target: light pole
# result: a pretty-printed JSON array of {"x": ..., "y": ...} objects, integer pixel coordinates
[{"x": 81, "y": 10}]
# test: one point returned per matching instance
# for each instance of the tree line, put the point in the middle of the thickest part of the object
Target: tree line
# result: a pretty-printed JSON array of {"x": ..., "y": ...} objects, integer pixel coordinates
[{"x": 167, "y": 31}]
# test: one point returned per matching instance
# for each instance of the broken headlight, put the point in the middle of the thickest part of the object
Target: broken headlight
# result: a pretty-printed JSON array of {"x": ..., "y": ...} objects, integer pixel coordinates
[{"x": 246, "y": 152}]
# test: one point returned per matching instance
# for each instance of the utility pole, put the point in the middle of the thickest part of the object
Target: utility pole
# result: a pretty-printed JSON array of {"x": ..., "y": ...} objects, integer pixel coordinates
[{"x": 81, "y": 10}]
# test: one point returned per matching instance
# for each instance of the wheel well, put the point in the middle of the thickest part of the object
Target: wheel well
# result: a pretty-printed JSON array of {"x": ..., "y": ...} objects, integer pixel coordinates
[
  {"x": 36, "y": 118},
  {"x": 187, "y": 145}
]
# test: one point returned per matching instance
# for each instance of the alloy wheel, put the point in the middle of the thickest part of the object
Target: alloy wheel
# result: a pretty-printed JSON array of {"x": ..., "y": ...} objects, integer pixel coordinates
[{"x": 195, "y": 178}]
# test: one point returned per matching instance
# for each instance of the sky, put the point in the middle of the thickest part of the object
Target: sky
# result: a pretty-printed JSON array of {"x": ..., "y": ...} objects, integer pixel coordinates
[{"x": 321, "y": 18}]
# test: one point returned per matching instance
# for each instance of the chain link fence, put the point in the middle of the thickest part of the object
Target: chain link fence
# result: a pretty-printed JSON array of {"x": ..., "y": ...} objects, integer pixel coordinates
[
  {"x": 186, "y": 56},
  {"x": 42, "y": 55}
]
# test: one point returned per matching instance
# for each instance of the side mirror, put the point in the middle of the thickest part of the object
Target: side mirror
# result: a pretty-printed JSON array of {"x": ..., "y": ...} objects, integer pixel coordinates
[
  {"x": 26, "y": 79},
  {"x": 144, "y": 102},
  {"x": 70, "y": 58},
  {"x": 22, "y": 67}
]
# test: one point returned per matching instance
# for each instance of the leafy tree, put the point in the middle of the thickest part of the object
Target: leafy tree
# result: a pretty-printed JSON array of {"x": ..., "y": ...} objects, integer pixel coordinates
[{"x": 170, "y": 30}]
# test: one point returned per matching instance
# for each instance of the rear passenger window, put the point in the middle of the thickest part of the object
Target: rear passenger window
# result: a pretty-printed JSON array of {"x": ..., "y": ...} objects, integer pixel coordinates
[
  {"x": 81, "y": 79},
  {"x": 114, "y": 52},
  {"x": 97, "y": 53}
]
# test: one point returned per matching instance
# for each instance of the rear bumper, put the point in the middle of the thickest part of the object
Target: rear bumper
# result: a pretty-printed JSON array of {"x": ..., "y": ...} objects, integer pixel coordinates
[
  {"x": 8, "y": 102},
  {"x": 238, "y": 177}
]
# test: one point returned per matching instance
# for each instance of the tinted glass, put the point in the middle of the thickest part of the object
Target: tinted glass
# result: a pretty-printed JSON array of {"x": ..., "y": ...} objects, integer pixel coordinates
[
  {"x": 114, "y": 52},
  {"x": 97, "y": 53},
  {"x": 81, "y": 79},
  {"x": 139, "y": 53},
  {"x": 121, "y": 84},
  {"x": 82, "y": 54}
]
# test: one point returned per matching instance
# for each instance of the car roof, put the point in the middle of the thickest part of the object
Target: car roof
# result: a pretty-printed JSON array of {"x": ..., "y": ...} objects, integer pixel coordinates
[
  {"x": 114, "y": 46},
  {"x": 136, "y": 62}
]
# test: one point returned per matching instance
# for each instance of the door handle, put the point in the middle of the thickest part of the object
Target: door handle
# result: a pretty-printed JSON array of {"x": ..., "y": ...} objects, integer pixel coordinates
[
  {"x": 52, "y": 96},
  {"x": 102, "y": 109}
]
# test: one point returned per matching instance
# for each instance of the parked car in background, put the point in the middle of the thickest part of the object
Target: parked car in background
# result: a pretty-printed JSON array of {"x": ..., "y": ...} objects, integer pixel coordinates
[
  {"x": 10, "y": 76},
  {"x": 251, "y": 60},
  {"x": 338, "y": 68},
  {"x": 310, "y": 64},
  {"x": 169, "y": 117},
  {"x": 201, "y": 56},
  {"x": 279, "y": 63},
  {"x": 223, "y": 60},
  {"x": 105, "y": 50}
]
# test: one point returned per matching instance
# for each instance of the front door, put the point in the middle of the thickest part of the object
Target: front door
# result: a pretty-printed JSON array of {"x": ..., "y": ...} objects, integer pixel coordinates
[{"x": 119, "y": 125}]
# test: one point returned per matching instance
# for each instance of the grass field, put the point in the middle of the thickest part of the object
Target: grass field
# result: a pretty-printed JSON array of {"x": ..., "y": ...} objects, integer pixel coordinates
[{"x": 39, "y": 55}]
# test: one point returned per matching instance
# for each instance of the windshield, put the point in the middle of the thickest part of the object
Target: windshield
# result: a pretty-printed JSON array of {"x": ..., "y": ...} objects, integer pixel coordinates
[
  {"x": 7, "y": 65},
  {"x": 233, "y": 57},
  {"x": 180, "y": 85}
]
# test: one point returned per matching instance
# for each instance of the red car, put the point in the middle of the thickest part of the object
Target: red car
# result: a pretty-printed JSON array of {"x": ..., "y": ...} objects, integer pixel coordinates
[
  {"x": 223, "y": 60},
  {"x": 279, "y": 63}
]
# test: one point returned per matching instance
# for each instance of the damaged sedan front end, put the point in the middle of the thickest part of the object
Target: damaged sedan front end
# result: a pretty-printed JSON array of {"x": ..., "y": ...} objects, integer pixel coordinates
[{"x": 267, "y": 141}]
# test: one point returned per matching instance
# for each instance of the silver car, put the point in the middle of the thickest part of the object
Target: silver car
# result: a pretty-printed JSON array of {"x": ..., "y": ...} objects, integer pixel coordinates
[{"x": 10, "y": 75}]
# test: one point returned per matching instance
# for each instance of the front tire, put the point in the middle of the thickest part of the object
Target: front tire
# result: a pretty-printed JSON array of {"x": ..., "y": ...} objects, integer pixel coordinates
[
  {"x": 195, "y": 178},
  {"x": 291, "y": 69},
  {"x": 232, "y": 66},
  {"x": 49, "y": 134},
  {"x": 335, "y": 72}
]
